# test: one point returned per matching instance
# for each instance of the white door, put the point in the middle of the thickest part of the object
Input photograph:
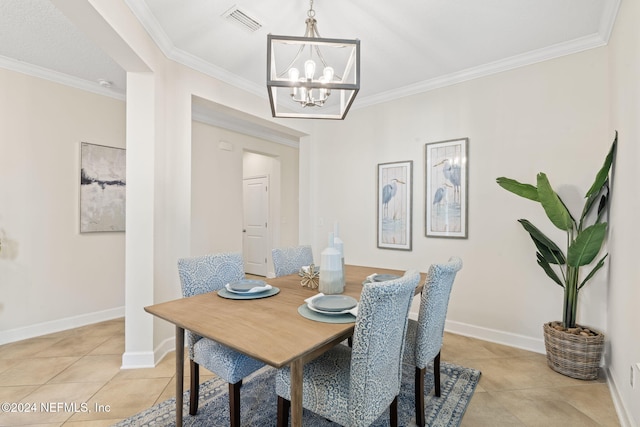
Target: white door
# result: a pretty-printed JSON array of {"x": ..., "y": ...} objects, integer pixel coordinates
[{"x": 254, "y": 233}]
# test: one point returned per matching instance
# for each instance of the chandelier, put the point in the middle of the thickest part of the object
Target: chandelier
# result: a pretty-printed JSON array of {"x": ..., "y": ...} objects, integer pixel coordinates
[{"x": 312, "y": 77}]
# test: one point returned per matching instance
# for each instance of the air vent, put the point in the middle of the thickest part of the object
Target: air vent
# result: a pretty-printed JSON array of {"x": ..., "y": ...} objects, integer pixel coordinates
[{"x": 240, "y": 17}]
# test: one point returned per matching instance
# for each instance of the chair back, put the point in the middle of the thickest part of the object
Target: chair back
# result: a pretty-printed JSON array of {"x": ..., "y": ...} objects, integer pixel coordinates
[
  {"x": 289, "y": 260},
  {"x": 209, "y": 273},
  {"x": 433, "y": 310},
  {"x": 378, "y": 345}
]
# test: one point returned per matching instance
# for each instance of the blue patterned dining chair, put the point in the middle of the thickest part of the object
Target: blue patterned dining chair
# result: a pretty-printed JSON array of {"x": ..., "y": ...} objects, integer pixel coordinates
[
  {"x": 354, "y": 386},
  {"x": 199, "y": 275},
  {"x": 424, "y": 337},
  {"x": 289, "y": 260}
]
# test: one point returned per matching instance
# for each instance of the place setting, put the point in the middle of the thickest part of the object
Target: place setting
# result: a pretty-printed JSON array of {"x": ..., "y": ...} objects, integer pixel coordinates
[
  {"x": 248, "y": 289},
  {"x": 375, "y": 278},
  {"x": 330, "y": 308}
]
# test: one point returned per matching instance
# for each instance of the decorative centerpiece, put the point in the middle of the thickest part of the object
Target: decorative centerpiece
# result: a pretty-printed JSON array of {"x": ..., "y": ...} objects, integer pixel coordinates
[
  {"x": 331, "y": 276},
  {"x": 310, "y": 278}
]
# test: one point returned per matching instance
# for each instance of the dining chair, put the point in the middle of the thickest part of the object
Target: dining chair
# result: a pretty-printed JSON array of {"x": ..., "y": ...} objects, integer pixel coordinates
[
  {"x": 289, "y": 260},
  {"x": 354, "y": 386},
  {"x": 424, "y": 337},
  {"x": 199, "y": 275}
]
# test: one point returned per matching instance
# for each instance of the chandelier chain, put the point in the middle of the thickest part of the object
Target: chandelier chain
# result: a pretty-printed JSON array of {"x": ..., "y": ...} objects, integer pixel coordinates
[{"x": 311, "y": 13}]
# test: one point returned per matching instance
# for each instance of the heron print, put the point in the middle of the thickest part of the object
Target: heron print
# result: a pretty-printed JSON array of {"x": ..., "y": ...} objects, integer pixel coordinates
[
  {"x": 394, "y": 205},
  {"x": 445, "y": 187}
]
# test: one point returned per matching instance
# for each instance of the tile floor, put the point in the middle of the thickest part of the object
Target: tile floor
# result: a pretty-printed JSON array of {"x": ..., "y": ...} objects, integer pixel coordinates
[{"x": 82, "y": 367}]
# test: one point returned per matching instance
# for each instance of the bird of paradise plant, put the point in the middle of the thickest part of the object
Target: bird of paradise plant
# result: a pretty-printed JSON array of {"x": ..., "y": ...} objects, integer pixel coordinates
[{"x": 584, "y": 242}]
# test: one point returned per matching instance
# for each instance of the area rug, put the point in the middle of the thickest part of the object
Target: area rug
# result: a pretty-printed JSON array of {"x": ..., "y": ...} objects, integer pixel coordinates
[{"x": 258, "y": 401}]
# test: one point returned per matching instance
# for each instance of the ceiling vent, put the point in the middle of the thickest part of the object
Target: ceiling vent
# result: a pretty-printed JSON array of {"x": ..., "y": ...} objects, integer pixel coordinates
[{"x": 236, "y": 15}]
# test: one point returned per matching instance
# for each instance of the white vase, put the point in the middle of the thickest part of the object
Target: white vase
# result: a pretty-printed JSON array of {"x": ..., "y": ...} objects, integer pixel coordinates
[
  {"x": 331, "y": 276},
  {"x": 339, "y": 245}
]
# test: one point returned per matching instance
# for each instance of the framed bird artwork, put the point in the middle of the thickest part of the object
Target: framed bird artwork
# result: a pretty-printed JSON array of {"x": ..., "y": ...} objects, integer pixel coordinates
[
  {"x": 395, "y": 196},
  {"x": 446, "y": 184}
]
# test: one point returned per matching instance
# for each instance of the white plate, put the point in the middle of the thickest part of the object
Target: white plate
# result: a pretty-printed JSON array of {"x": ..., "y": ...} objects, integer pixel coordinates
[
  {"x": 247, "y": 286},
  {"x": 334, "y": 303},
  {"x": 384, "y": 277},
  {"x": 380, "y": 278},
  {"x": 330, "y": 313}
]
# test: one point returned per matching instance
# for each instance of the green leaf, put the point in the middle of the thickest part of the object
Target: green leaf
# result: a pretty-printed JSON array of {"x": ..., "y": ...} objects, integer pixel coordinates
[
  {"x": 547, "y": 248},
  {"x": 603, "y": 200},
  {"x": 603, "y": 173},
  {"x": 587, "y": 245},
  {"x": 547, "y": 269},
  {"x": 573, "y": 221},
  {"x": 597, "y": 267},
  {"x": 527, "y": 191},
  {"x": 553, "y": 206}
]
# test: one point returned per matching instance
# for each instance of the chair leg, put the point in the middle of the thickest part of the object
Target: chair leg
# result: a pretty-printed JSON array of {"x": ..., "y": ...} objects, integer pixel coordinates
[
  {"x": 234, "y": 404},
  {"x": 195, "y": 387},
  {"x": 393, "y": 413},
  {"x": 419, "y": 396},
  {"x": 436, "y": 374},
  {"x": 283, "y": 412}
]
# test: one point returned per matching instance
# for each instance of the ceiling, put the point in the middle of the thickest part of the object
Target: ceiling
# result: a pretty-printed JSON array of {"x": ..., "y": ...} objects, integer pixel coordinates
[{"x": 407, "y": 46}]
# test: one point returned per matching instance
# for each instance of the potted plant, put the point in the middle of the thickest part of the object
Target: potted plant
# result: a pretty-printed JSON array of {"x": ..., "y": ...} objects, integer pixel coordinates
[{"x": 571, "y": 349}]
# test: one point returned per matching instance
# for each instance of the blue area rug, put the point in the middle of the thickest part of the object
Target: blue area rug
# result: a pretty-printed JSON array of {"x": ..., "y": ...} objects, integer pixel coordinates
[{"x": 258, "y": 401}]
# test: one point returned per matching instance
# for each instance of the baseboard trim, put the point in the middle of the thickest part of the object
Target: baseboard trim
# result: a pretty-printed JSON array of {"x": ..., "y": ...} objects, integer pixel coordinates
[
  {"x": 496, "y": 336},
  {"x": 44, "y": 328},
  {"x": 137, "y": 360},
  {"x": 147, "y": 359},
  {"x": 492, "y": 335},
  {"x": 623, "y": 415}
]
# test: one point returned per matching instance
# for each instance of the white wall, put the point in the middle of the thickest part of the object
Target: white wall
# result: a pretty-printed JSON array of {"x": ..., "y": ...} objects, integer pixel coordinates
[
  {"x": 624, "y": 293},
  {"x": 216, "y": 204},
  {"x": 164, "y": 191},
  {"x": 51, "y": 276},
  {"x": 551, "y": 117},
  {"x": 554, "y": 116}
]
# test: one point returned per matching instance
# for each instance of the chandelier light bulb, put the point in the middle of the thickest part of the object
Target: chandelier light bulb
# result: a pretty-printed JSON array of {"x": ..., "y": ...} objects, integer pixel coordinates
[
  {"x": 328, "y": 74},
  {"x": 323, "y": 91},
  {"x": 309, "y": 69},
  {"x": 307, "y": 92},
  {"x": 294, "y": 74}
]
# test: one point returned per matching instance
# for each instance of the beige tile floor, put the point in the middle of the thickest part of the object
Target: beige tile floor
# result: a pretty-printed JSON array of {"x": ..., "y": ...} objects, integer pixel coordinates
[{"x": 82, "y": 366}]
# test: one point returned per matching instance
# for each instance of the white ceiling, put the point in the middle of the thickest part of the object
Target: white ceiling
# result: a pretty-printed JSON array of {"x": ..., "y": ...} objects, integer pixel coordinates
[{"x": 407, "y": 46}]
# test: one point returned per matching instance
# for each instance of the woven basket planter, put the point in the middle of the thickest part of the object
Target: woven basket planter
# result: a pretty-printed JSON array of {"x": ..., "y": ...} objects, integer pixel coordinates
[{"x": 575, "y": 356}]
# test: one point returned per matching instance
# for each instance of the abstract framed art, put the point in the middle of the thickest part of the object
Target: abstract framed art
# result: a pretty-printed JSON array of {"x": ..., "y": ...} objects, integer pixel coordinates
[
  {"x": 395, "y": 198},
  {"x": 446, "y": 188},
  {"x": 102, "y": 188}
]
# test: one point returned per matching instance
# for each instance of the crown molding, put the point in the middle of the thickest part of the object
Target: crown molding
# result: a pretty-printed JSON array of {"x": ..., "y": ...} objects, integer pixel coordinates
[
  {"x": 601, "y": 38},
  {"x": 58, "y": 77},
  {"x": 609, "y": 16},
  {"x": 221, "y": 74},
  {"x": 142, "y": 12},
  {"x": 529, "y": 58},
  {"x": 146, "y": 18}
]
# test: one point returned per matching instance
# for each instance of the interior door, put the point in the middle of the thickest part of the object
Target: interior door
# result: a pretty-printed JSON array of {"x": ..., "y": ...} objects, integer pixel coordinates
[{"x": 254, "y": 233}]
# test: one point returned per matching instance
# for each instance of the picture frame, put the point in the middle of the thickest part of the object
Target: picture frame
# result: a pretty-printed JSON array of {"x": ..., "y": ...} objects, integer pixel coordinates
[
  {"x": 395, "y": 204},
  {"x": 446, "y": 188},
  {"x": 102, "y": 188}
]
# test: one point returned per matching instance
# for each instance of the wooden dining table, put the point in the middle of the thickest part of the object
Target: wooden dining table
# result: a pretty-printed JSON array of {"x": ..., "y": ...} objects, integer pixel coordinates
[{"x": 268, "y": 329}]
